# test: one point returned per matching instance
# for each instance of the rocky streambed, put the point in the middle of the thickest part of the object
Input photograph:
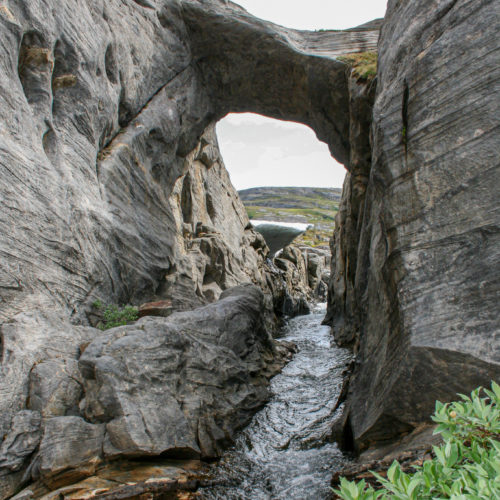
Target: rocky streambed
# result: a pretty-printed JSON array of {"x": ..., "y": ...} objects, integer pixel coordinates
[
  {"x": 145, "y": 447},
  {"x": 286, "y": 452}
]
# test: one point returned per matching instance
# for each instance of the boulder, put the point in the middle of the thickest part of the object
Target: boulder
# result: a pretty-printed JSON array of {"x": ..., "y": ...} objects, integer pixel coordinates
[{"x": 181, "y": 386}]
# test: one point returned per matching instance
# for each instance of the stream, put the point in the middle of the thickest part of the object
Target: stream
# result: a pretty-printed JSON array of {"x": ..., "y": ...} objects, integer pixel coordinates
[{"x": 285, "y": 452}]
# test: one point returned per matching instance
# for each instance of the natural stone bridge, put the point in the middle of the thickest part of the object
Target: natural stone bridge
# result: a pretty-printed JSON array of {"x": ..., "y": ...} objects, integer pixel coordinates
[{"x": 113, "y": 188}]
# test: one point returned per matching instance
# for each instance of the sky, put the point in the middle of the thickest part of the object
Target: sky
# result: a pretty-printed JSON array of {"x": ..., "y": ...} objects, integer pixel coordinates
[{"x": 259, "y": 151}]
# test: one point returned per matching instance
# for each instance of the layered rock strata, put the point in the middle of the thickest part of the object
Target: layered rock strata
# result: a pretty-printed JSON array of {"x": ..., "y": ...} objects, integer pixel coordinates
[
  {"x": 417, "y": 292},
  {"x": 108, "y": 158},
  {"x": 105, "y": 105},
  {"x": 112, "y": 185}
]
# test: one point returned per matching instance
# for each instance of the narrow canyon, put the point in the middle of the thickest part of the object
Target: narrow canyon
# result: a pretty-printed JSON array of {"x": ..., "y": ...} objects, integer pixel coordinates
[{"x": 113, "y": 190}]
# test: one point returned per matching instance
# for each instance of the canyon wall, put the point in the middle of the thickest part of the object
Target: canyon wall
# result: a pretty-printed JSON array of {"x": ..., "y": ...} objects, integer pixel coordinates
[
  {"x": 417, "y": 293},
  {"x": 113, "y": 189}
]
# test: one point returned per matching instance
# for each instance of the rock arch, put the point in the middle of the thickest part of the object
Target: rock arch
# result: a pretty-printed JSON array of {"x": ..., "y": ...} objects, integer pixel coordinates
[
  {"x": 252, "y": 65},
  {"x": 91, "y": 185}
]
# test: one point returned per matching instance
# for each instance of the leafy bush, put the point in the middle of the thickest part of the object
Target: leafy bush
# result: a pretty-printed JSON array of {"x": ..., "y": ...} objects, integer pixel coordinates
[
  {"x": 465, "y": 467},
  {"x": 116, "y": 316}
]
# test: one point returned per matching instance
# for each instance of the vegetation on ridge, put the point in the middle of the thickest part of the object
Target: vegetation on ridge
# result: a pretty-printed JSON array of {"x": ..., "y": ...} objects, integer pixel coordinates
[
  {"x": 363, "y": 64},
  {"x": 465, "y": 467},
  {"x": 316, "y": 206}
]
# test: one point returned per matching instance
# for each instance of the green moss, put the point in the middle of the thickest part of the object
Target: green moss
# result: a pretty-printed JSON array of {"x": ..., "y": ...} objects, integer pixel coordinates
[{"x": 363, "y": 64}]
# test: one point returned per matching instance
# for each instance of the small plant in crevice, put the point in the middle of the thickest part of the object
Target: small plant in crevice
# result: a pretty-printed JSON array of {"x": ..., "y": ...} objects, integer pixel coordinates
[
  {"x": 113, "y": 316},
  {"x": 363, "y": 64},
  {"x": 465, "y": 467}
]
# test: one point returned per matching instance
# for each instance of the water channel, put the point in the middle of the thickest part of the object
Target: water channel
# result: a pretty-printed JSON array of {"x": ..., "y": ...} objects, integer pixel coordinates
[{"x": 285, "y": 452}]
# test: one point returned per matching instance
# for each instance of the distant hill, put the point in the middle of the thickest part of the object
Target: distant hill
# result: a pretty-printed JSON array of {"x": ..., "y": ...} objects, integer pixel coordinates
[{"x": 317, "y": 206}]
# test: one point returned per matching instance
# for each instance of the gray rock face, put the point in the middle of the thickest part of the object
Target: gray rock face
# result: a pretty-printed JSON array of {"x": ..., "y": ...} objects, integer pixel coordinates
[
  {"x": 113, "y": 188},
  {"x": 318, "y": 270},
  {"x": 112, "y": 184},
  {"x": 69, "y": 444},
  {"x": 342, "y": 311},
  {"x": 21, "y": 442},
  {"x": 111, "y": 119},
  {"x": 423, "y": 295},
  {"x": 28, "y": 340},
  {"x": 55, "y": 388},
  {"x": 282, "y": 73},
  {"x": 181, "y": 386}
]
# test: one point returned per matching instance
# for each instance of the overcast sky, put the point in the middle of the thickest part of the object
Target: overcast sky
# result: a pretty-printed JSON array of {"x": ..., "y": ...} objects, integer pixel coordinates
[{"x": 259, "y": 151}]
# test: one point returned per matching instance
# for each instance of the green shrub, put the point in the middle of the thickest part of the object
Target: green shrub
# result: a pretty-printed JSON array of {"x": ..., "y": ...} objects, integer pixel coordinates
[
  {"x": 465, "y": 467},
  {"x": 116, "y": 316}
]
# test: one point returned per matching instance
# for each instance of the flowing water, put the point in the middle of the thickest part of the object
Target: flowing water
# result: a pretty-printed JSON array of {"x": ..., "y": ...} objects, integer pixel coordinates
[{"x": 285, "y": 452}]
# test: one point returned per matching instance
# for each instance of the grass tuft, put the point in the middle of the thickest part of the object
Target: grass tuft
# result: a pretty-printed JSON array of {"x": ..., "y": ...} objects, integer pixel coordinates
[{"x": 363, "y": 64}]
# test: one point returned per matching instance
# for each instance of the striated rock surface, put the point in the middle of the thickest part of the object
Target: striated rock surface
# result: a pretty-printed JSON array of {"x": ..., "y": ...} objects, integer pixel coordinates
[
  {"x": 112, "y": 184},
  {"x": 113, "y": 188},
  {"x": 318, "y": 270},
  {"x": 183, "y": 385},
  {"x": 343, "y": 313},
  {"x": 105, "y": 105},
  {"x": 418, "y": 293},
  {"x": 179, "y": 386}
]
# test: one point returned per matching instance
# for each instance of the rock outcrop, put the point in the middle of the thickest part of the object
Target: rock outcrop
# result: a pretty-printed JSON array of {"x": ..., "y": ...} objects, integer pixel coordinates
[
  {"x": 417, "y": 292},
  {"x": 181, "y": 386},
  {"x": 172, "y": 387},
  {"x": 112, "y": 185},
  {"x": 113, "y": 189}
]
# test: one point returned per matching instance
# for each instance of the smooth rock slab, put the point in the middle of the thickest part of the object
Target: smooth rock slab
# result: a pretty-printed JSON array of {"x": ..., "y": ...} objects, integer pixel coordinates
[{"x": 427, "y": 279}]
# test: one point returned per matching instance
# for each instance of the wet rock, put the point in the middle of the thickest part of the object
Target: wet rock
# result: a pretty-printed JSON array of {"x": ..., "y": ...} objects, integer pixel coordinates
[
  {"x": 181, "y": 385},
  {"x": 111, "y": 161}
]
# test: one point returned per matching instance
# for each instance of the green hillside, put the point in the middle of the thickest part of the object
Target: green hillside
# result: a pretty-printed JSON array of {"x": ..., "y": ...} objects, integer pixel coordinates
[{"x": 317, "y": 206}]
